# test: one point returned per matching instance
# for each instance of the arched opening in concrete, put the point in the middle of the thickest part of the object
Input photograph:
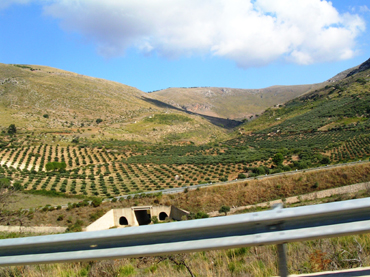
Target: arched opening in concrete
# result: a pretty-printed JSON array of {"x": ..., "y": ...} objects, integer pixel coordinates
[
  {"x": 123, "y": 221},
  {"x": 162, "y": 216},
  {"x": 143, "y": 217}
]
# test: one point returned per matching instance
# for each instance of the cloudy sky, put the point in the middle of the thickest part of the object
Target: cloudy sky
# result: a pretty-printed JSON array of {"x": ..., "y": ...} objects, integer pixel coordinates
[{"x": 155, "y": 44}]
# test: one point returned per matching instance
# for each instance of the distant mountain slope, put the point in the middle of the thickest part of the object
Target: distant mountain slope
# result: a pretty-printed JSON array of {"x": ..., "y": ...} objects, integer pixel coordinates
[
  {"x": 61, "y": 103},
  {"x": 344, "y": 104},
  {"x": 29, "y": 91},
  {"x": 44, "y": 99},
  {"x": 228, "y": 102}
]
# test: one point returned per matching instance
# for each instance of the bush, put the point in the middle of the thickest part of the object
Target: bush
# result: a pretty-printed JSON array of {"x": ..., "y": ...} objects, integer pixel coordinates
[
  {"x": 154, "y": 219},
  {"x": 199, "y": 215},
  {"x": 76, "y": 227},
  {"x": 278, "y": 159},
  {"x": 55, "y": 166},
  {"x": 325, "y": 160},
  {"x": 17, "y": 186},
  {"x": 12, "y": 129},
  {"x": 224, "y": 209},
  {"x": 241, "y": 176},
  {"x": 96, "y": 202}
]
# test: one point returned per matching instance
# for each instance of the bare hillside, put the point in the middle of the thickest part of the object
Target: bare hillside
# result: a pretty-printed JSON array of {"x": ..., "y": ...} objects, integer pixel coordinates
[{"x": 228, "y": 102}]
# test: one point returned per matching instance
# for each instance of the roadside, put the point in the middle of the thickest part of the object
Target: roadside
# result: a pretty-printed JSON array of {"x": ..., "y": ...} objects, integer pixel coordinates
[{"x": 301, "y": 198}]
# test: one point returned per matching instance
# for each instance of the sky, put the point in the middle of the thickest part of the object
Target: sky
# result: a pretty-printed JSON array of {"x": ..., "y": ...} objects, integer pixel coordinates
[{"x": 156, "y": 44}]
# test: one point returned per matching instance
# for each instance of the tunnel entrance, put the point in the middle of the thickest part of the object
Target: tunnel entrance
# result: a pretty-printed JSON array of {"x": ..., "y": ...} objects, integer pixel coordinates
[
  {"x": 123, "y": 221},
  {"x": 143, "y": 217},
  {"x": 162, "y": 216}
]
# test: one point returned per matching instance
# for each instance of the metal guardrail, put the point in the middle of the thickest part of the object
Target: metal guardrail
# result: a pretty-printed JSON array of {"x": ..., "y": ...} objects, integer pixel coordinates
[{"x": 276, "y": 226}]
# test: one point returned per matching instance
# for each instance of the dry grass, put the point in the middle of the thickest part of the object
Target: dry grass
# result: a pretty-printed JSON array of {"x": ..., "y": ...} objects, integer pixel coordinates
[
  {"x": 31, "y": 201},
  {"x": 267, "y": 189}
]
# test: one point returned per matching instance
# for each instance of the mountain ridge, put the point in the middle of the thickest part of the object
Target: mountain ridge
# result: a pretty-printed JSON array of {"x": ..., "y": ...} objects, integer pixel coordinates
[{"x": 53, "y": 100}]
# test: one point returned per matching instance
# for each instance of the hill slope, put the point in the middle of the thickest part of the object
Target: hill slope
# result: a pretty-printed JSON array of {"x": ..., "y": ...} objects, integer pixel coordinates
[
  {"x": 28, "y": 92},
  {"x": 44, "y": 99},
  {"x": 228, "y": 102},
  {"x": 329, "y": 125}
]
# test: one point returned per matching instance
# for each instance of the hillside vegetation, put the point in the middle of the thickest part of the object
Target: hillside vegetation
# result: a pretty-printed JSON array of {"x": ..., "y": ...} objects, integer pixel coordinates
[
  {"x": 328, "y": 125},
  {"x": 240, "y": 104}
]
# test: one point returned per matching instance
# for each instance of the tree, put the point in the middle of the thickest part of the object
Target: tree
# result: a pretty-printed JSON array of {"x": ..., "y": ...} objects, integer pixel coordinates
[
  {"x": 56, "y": 166},
  {"x": 99, "y": 120},
  {"x": 75, "y": 140},
  {"x": 12, "y": 129},
  {"x": 241, "y": 176},
  {"x": 325, "y": 160},
  {"x": 224, "y": 209},
  {"x": 278, "y": 159}
]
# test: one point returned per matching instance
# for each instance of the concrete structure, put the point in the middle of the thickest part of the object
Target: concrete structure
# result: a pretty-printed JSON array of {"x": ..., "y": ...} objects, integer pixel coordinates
[{"x": 135, "y": 216}]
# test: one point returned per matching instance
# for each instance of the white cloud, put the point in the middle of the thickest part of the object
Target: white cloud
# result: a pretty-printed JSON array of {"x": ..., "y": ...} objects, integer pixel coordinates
[
  {"x": 249, "y": 32},
  {"x": 364, "y": 9}
]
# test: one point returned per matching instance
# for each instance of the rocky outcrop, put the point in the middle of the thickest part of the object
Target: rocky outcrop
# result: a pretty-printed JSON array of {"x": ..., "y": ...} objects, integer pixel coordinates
[{"x": 364, "y": 66}]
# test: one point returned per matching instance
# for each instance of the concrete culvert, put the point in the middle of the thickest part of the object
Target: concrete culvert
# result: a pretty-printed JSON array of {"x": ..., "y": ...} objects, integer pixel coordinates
[
  {"x": 143, "y": 217},
  {"x": 123, "y": 220},
  {"x": 162, "y": 216}
]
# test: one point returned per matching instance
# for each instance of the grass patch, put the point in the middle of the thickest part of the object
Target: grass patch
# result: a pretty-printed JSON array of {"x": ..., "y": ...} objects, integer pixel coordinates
[{"x": 27, "y": 201}]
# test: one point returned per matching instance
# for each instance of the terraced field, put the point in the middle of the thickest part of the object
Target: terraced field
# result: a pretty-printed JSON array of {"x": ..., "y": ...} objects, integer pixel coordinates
[
  {"x": 94, "y": 171},
  {"x": 98, "y": 171}
]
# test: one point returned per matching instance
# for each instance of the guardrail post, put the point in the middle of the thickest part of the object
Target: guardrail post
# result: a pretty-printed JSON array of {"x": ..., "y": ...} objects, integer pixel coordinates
[
  {"x": 282, "y": 260},
  {"x": 281, "y": 249}
]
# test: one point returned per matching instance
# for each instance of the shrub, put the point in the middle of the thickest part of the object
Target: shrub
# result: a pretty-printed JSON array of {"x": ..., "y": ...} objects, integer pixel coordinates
[
  {"x": 241, "y": 176},
  {"x": 199, "y": 215},
  {"x": 278, "y": 159},
  {"x": 154, "y": 219},
  {"x": 96, "y": 201},
  {"x": 325, "y": 160},
  {"x": 224, "y": 209},
  {"x": 12, "y": 129},
  {"x": 76, "y": 227}
]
